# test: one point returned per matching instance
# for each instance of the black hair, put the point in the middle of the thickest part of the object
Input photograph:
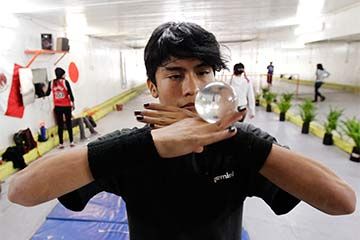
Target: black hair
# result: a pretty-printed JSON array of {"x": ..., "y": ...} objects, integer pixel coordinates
[
  {"x": 239, "y": 68},
  {"x": 319, "y": 66},
  {"x": 59, "y": 72},
  {"x": 181, "y": 40}
]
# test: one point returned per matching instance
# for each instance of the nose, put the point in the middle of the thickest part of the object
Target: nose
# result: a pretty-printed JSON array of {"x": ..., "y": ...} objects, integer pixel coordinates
[{"x": 190, "y": 85}]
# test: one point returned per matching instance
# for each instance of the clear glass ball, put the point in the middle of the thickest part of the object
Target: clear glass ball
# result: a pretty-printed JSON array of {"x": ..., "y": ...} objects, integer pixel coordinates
[{"x": 215, "y": 100}]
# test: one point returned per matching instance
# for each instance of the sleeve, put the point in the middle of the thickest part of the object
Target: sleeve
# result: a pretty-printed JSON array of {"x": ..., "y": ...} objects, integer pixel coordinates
[
  {"x": 327, "y": 74},
  {"x": 115, "y": 153},
  {"x": 77, "y": 200},
  {"x": 251, "y": 98},
  {"x": 277, "y": 199},
  {"x": 254, "y": 149},
  {"x": 107, "y": 157},
  {"x": 69, "y": 90},
  {"x": 280, "y": 201}
]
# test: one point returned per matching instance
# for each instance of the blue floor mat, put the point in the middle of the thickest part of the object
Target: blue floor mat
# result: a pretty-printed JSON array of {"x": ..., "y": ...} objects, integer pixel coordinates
[
  {"x": 104, "y": 218},
  {"x": 70, "y": 230},
  {"x": 104, "y": 207}
]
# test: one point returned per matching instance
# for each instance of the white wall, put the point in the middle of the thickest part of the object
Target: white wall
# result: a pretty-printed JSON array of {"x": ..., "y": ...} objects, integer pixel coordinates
[
  {"x": 335, "y": 25},
  {"x": 341, "y": 59},
  {"x": 101, "y": 75},
  {"x": 98, "y": 63}
]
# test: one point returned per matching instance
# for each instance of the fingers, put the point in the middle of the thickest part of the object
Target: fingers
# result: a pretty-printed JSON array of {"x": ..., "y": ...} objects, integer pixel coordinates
[
  {"x": 217, "y": 136},
  {"x": 166, "y": 108},
  {"x": 160, "y": 107},
  {"x": 156, "y": 121},
  {"x": 156, "y": 114},
  {"x": 162, "y": 115},
  {"x": 199, "y": 150},
  {"x": 230, "y": 119},
  {"x": 156, "y": 126}
]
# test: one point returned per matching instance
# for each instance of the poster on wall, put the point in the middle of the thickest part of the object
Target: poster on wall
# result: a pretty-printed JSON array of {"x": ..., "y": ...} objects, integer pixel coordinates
[{"x": 27, "y": 88}]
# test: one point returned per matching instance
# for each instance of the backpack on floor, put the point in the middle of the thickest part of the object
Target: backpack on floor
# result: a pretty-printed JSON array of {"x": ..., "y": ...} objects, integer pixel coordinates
[{"x": 24, "y": 140}]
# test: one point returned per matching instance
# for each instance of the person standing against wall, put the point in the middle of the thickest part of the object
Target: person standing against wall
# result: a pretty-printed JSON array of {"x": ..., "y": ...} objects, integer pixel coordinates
[
  {"x": 244, "y": 89},
  {"x": 270, "y": 72},
  {"x": 63, "y": 104},
  {"x": 321, "y": 74}
]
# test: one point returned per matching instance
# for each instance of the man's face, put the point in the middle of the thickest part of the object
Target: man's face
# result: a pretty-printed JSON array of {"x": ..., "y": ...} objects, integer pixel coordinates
[{"x": 178, "y": 81}]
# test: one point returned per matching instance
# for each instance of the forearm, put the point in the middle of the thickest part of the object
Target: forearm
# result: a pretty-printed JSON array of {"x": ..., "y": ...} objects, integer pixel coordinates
[
  {"x": 50, "y": 178},
  {"x": 309, "y": 181}
]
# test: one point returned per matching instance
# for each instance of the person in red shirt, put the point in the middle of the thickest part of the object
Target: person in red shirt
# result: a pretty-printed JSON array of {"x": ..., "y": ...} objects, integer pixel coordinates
[{"x": 63, "y": 104}]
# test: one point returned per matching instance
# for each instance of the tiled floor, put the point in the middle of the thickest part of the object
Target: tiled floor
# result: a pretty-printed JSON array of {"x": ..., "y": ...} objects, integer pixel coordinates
[{"x": 303, "y": 223}]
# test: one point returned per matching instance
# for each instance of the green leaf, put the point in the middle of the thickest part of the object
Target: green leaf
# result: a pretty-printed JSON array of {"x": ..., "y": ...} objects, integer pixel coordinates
[
  {"x": 307, "y": 110},
  {"x": 351, "y": 128}
]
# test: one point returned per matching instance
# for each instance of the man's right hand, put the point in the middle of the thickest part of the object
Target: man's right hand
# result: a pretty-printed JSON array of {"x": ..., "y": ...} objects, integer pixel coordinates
[{"x": 192, "y": 134}]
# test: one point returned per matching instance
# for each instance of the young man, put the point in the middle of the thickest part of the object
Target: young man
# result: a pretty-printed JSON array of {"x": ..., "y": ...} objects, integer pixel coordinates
[
  {"x": 185, "y": 179},
  {"x": 270, "y": 72},
  {"x": 244, "y": 89}
]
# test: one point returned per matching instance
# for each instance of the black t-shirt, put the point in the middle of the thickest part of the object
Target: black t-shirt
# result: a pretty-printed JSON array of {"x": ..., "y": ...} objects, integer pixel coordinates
[{"x": 196, "y": 196}]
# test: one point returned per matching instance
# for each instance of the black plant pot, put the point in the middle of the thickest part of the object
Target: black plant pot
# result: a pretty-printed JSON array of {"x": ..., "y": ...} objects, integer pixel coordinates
[
  {"x": 257, "y": 102},
  {"x": 282, "y": 116},
  {"x": 268, "y": 107},
  {"x": 328, "y": 139},
  {"x": 305, "y": 128},
  {"x": 355, "y": 155}
]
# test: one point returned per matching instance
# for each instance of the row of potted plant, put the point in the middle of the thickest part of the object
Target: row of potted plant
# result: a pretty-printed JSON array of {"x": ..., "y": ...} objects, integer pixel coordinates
[{"x": 351, "y": 127}]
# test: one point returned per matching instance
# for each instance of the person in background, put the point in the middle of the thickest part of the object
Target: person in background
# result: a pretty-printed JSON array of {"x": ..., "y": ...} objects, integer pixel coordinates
[
  {"x": 63, "y": 104},
  {"x": 270, "y": 72},
  {"x": 320, "y": 74},
  {"x": 244, "y": 89}
]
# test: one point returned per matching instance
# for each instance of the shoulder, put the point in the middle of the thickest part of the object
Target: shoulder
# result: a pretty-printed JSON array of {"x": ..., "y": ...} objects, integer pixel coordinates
[{"x": 251, "y": 129}]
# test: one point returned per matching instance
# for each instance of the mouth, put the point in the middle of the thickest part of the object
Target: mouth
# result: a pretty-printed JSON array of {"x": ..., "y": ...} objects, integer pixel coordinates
[{"x": 189, "y": 106}]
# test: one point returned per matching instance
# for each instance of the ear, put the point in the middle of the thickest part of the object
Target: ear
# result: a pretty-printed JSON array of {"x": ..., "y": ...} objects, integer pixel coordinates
[{"x": 152, "y": 88}]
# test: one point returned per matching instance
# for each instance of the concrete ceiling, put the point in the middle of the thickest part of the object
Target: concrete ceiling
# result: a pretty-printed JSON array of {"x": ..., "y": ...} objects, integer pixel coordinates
[{"x": 132, "y": 21}]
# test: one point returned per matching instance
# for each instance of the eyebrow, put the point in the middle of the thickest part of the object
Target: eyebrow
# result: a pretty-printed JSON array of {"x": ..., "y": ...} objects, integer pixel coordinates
[{"x": 175, "y": 68}]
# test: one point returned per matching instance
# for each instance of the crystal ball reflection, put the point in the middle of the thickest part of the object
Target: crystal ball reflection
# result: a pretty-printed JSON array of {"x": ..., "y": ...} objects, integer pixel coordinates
[{"x": 215, "y": 100}]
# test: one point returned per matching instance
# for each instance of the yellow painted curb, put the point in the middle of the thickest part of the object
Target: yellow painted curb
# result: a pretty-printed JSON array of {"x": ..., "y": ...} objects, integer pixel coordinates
[
  {"x": 328, "y": 85},
  {"x": 98, "y": 112},
  {"x": 315, "y": 128}
]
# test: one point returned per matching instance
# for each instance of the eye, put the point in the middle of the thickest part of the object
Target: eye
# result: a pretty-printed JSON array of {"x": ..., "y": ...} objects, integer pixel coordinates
[
  {"x": 204, "y": 73},
  {"x": 175, "y": 77}
]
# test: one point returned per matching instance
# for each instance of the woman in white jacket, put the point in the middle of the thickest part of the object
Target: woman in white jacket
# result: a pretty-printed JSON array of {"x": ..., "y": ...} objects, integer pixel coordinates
[
  {"x": 244, "y": 89},
  {"x": 321, "y": 74}
]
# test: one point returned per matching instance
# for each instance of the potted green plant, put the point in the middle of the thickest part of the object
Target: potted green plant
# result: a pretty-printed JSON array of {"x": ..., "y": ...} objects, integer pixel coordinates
[
  {"x": 264, "y": 91},
  {"x": 331, "y": 124},
  {"x": 287, "y": 96},
  {"x": 284, "y": 105},
  {"x": 351, "y": 127},
  {"x": 269, "y": 98},
  {"x": 257, "y": 99},
  {"x": 307, "y": 114}
]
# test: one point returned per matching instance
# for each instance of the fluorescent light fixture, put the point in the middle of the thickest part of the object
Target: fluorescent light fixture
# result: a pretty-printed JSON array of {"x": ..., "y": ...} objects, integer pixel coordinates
[
  {"x": 308, "y": 9},
  {"x": 309, "y": 17},
  {"x": 76, "y": 25}
]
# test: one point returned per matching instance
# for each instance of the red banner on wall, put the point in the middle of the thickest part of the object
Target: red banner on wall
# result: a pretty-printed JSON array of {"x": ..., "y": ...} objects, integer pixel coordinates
[{"x": 15, "y": 106}]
